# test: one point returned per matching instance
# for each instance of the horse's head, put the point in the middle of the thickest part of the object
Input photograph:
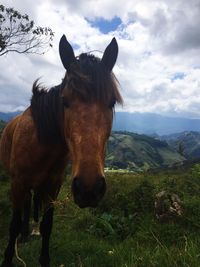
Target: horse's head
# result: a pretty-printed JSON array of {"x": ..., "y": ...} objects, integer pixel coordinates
[{"x": 89, "y": 95}]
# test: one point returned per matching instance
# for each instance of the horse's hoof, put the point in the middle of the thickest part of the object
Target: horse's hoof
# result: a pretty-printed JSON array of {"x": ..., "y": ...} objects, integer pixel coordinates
[{"x": 43, "y": 264}]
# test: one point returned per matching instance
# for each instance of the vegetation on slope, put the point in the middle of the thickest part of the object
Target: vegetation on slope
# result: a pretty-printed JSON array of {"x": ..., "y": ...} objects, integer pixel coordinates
[
  {"x": 2, "y": 125},
  {"x": 139, "y": 152},
  {"x": 188, "y": 143},
  {"x": 123, "y": 230}
]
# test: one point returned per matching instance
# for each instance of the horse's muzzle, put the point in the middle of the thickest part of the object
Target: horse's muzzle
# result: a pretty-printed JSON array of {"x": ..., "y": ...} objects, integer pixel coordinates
[{"x": 86, "y": 196}]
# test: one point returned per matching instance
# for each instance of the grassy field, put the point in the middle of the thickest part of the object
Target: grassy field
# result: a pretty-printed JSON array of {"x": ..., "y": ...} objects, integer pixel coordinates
[{"x": 123, "y": 230}]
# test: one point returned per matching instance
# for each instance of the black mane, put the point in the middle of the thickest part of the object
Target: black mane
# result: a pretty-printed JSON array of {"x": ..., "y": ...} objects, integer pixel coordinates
[
  {"x": 88, "y": 80},
  {"x": 47, "y": 112}
]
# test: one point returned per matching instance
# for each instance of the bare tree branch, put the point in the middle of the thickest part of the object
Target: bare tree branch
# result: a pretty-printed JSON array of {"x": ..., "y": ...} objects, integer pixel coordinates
[{"x": 19, "y": 34}]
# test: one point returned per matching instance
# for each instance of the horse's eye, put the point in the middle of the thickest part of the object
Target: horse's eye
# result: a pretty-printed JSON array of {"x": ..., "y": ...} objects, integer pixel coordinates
[
  {"x": 112, "y": 104},
  {"x": 65, "y": 103}
]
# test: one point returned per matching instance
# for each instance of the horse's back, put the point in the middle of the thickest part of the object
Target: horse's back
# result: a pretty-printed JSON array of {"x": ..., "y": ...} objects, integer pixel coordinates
[
  {"x": 19, "y": 142},
  {"x": 6, "y": 142},
  {"x": 28, "y": 160}
]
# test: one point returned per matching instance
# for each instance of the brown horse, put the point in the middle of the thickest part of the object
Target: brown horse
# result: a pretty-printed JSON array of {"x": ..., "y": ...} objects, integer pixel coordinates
[{"x": 72, "y": 119}]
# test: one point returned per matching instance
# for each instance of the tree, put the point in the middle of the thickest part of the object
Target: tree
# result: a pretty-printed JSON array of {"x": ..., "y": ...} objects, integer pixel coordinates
[{"x": 19, "y": 34}]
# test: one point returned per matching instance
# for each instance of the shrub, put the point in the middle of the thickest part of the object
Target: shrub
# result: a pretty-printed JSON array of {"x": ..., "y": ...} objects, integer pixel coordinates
[{"x": 143, "y": 196}]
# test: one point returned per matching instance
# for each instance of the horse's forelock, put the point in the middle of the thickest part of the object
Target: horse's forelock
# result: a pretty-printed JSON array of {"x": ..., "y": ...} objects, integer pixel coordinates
[{"x": 89, "y": 79}]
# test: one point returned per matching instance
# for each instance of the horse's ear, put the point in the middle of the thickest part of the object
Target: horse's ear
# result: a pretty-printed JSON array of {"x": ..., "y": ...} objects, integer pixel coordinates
[
  {"x": 110, "y": 55},
  {"x": 66, "y": 53}
]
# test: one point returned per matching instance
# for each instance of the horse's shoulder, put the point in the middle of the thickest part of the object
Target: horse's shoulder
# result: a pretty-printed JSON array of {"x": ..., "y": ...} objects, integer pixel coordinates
[
  {"x": 23, "y": 124},
  {"x": 26, "y": 117}
]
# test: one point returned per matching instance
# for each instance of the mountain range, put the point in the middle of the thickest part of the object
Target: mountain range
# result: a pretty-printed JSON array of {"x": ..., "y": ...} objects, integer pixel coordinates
[{"x": 150, "y": 123}]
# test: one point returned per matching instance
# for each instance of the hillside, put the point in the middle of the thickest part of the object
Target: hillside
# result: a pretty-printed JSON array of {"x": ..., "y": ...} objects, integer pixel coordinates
[
  {"x": 6, "y": 116},
  {"x": 139, "y": 152},
  {"x": 187, "y": 142},
  {"x": 2, "y": 125}
]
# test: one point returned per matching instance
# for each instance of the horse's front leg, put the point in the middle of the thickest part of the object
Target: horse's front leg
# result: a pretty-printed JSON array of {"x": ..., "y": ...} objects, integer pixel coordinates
[
  {"x": 45, "y": 230},
  {"x": 14, "y": 230},
  {"x": 36, "y": 206},
  {"x": 26, "y": 218}
]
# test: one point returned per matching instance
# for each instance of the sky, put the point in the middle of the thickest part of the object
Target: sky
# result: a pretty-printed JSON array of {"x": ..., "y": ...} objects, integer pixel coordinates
[{"x": 158, "y": 65}]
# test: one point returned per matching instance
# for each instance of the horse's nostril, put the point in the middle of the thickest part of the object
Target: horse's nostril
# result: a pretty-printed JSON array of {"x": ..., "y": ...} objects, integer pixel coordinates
[
  {"x": 101, "y": 185},
  {"x": 88, "y": 195}
]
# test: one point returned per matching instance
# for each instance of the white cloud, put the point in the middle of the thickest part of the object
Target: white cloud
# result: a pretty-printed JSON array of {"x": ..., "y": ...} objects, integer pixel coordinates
[{"x": 158, "y": 39}]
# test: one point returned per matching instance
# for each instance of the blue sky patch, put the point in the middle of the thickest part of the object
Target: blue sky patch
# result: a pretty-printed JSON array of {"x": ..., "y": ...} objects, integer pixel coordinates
[
  {"x": 105, "y": 26},
  {"x": 75, "y": 46},
  {"x": 178, "y": 76}
]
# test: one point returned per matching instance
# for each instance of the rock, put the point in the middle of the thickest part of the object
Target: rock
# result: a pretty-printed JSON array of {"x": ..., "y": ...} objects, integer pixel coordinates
[{"x": 35, "y": 229}]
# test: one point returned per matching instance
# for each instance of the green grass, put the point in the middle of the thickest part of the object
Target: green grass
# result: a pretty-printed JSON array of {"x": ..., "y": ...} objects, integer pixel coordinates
[{"x": 123, "y": 230}]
